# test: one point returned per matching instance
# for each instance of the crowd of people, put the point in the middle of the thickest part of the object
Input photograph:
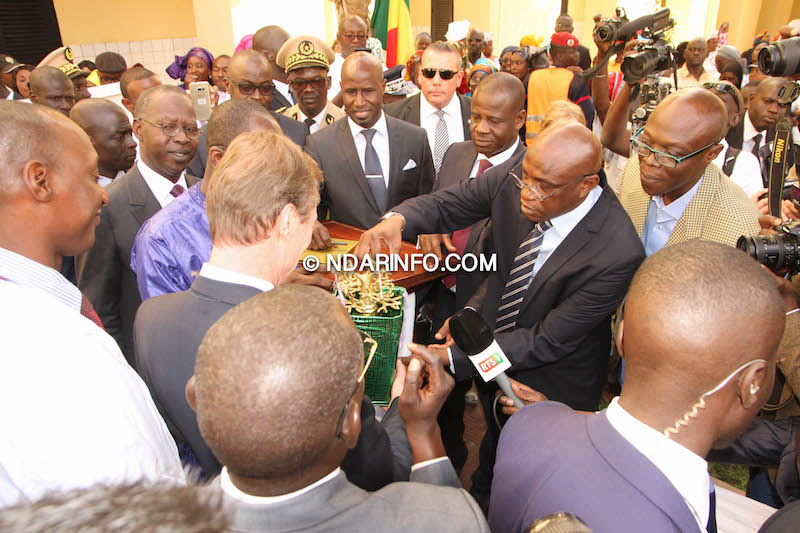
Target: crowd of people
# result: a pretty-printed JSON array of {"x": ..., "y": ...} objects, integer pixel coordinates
[{"x": 167, "y": 364}]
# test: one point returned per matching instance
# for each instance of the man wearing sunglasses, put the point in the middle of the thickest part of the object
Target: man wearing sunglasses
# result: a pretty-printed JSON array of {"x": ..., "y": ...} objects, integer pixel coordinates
[
  {"x": 442, "y": 113},
  {"x": 566, "y": 252},
  {"x": 249, "y": 79},
  {"x": 165, "y": 125},
  {"x": 306, "y": 60}
]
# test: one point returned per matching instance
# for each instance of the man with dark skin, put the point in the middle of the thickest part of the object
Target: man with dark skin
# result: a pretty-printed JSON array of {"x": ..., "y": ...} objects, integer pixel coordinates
[
  {"x": 133, "y": 83},
  {"x": 565, "y": 23},
  {"x": 219, "y": 70},
  {"x": 422, "y": 41},
  {"x": 268, "y": 41},
  {"x": 692, "y": 73},
  {"x": 111, "y": 134},
  {"x": 51, "y": 87},
  {"x": 475, "y": 42},
  {"x": 701, "y": 351},
  {"x": 352, "y": 35},
  {"x": 241, "y": 405}
]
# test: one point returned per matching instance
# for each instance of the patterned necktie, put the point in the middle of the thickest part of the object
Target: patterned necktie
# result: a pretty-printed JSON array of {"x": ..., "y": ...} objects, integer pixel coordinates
[
  {"x": 373, "y": 171},
  {"x": 520, "y": 277},
  {"x": 460, "y": 237},
  {"x": 88, "y": 311},
  {"x": 756, "y": 143},
  {"x": 440, "y": 140},
  {"x": 177, "y": 190}
]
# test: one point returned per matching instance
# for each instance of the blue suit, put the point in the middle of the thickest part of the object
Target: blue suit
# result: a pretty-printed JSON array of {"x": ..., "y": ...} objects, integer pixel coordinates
[{"x": 551, "y": 458}]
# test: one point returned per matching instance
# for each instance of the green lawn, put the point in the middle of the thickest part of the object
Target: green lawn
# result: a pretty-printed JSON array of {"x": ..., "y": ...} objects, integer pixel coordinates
[{"x": 734, "y": 474}]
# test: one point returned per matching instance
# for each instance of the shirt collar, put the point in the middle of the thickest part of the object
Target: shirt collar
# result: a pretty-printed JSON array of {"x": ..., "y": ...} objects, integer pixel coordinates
[
  {"x": 318, "y": 120},
  {"x": 27, "y": 272},
  {"x": 230, "y": 489},
  {"x": 380, "y": 126},
  {"x": 453, "y": 108},
  {"x": 564, "y": 224},
  {"x": 224, "y": 275},
  {"x": 677, "y": 207},
  {"x": 750, "y": 131},
  {"x": 159, "y": 185},
  {"x": 685, "y": 470},
  {"x": 501, "y": 157}
]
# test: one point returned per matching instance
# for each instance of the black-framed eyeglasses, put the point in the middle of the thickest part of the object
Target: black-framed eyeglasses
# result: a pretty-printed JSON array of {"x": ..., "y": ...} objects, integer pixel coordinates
[
  {"x": 723, "y": 87},
  {"x": 445, "y": 74},
  {"x": 372, "y": 349},
  {"x": 534, "y": 190},
  {"x": 317, "y": 84},
  {"x": 355, "y": 36},
  {"x": 663, "y": 158},
  {"x": 171, "y": 130},
  {"x": 265, "y": 89}
]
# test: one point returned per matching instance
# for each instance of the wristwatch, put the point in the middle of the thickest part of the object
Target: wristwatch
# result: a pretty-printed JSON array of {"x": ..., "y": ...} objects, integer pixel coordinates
[{"x": 393, "y": 213}]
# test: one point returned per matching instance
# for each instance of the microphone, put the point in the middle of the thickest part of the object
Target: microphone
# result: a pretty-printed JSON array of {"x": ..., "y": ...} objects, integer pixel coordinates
[{"x": 471, "y": 333}]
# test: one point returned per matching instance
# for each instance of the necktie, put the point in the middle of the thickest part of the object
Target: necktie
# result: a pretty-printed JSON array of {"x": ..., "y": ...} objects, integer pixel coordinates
[
  {"x": 373, "y": 171},
  {"x": 309, "y": 122},
  {"x": 88, "y": 311},
  {"x": 177, "y": 190},
  {"x": 461, "y": 236},
  {"x": 756, "y": 143},
  {"x": 711, "y": 527},
  {"x": 520, "y": 277},
  {"x": 440, "y": 140}
]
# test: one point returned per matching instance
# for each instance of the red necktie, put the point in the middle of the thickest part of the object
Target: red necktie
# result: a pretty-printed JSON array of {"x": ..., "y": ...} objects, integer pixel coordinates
[
  {"x": 177, "y": 190},
  {"x": 88, "y": 311},
  {"x": 460, "y": 237}
]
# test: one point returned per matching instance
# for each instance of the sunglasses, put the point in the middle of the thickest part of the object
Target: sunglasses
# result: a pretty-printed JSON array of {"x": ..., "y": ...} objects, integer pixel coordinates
[
  {"x": 247, "y": 89},
  {"x": 723, "y": 87},
  {"x": 372, "y": 349},
  {"x": 300, "y": 85},
  {"x": 445, "y": 74}
]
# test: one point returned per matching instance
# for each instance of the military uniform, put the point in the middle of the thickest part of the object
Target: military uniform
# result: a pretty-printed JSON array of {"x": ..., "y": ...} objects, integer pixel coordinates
[{"x": 332, "y": 113}]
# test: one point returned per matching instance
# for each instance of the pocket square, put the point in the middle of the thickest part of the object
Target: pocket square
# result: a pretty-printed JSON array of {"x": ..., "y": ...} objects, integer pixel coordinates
[{"x": 411, "y": 164}]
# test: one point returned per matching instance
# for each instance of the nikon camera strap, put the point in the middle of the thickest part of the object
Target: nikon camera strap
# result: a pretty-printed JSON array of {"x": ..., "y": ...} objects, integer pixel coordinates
[{"x": 777, "y": 168}]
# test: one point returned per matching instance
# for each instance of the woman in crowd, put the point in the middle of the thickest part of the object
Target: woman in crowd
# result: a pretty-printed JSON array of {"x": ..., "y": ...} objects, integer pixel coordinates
[
  {"x": 21, "y": 81},
  {"x": 483, "y": 67},
  {"x": 193, "y": 67},
  {"x": 505, "y": 58},
  {"x": 732, "y": 72}
]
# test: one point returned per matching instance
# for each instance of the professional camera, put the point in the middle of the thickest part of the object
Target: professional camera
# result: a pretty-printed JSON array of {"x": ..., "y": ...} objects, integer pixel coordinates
[
  {"x": 653, "y": 56},
  {"x": 781, "y": 58},
  {"x": 779, "y": 252},
  {"x": 651, "y": 91},
  {"x": 620, "y": 30},
  {"x": 610, "y": 27}
]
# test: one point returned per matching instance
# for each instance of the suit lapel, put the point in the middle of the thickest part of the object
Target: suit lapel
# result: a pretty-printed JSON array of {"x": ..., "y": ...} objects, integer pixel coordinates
[
  {"x": 351, "y": 156},
  {"x": 466, "y": 115},
  {"x": 397, "y": 158},
  {"x": 141, "y": 199},
  {"x": 412, "y": 111},
  {"x": 639, "y": 471},
  {"x": 690, "y": 225},
  {"x": 475, "y": 234}
]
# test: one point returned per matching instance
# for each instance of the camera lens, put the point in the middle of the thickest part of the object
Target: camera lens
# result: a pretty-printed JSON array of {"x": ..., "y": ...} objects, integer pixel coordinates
[
  {"x": 781, "y": 58},
  {"x": 637, "y": 66},
  {"x": 776, "y": 252}
]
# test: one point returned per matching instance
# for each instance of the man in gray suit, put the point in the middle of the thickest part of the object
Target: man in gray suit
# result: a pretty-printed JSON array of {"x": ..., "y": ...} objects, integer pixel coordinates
[
  {"x": 371, "y": 162},
  {"x": 165, "y": 125},
  {"x": 700, "y": 352},
  {"x": 283, "y": 473},
  {"x": 247, "y": 259}
]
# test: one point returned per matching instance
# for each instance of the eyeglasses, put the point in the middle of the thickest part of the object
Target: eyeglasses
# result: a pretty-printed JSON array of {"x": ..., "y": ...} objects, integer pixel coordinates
[
  {"x": 300, "y": 85},
  {"x": 265, "y": 89},
  {"x": 664, "y": 159},
  {"x": 372, "y": 349},
  {"x": 171, "y": 130},
  {"x": 355, "y": 36},
  {"x": 723, "y": 87},
  {"x": 445, "y": 74},
  {"x": 473, "y": 40},
  {"x": 535, "y": 191}
]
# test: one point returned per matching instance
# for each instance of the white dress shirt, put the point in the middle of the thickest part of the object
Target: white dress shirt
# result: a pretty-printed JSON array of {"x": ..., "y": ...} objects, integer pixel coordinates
[
  {"x": 283, "y": 88},
  {"x": 335, "y": 72},
  {"x": 748, "y": 133},
  {"x": 318, "y": 120},
  {"x": 380, "y": 141},
  {"x": 662, "y": 219},
  {"x": 686, "y": 471},
  {"x": 10, "y": 95},
  {"x": 496, "y": 159},
  {"x": 452, "y": 118},
  {"x": 746, "y": 171},
  {"x": 104, "y": 181},
  {"x": 224, "y": 275},
  {"x": 230, "y": 489},
  {"x": 159, "y": 185},
  {"x": 74, "y": 413}
]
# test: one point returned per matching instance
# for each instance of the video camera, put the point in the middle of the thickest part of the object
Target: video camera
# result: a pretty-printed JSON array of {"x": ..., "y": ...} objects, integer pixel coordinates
[
  {"x": 608, "y": 30},
  {"x": 779, "y": 253},
  {"x": 620, "y": 30}
]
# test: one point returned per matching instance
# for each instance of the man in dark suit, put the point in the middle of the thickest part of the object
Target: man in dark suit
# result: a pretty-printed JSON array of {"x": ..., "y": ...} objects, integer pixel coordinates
[
  {"x": 168, "y": 329},
  {"x": 249, "y": 79},
  {"x": 282, "y": 473},
  {"x": 443, "y": 114},
  {"x": 371, "y": 162},
  {"x": 268, "y": 41},
  {"x": 700, "y": 352},
  {"x": 563, "y": 241},
  {"x": 498, "y": 112},
  {"x": 167, "y": 131}
]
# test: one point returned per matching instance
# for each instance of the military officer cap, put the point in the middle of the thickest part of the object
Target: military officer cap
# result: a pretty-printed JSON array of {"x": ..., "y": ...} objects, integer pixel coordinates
[
  {"x": 304, "y": 51},
  {"x": 395, "y": 82},
  {"x": 8, "y": 64},
  {"x": 62, "y": 58}
]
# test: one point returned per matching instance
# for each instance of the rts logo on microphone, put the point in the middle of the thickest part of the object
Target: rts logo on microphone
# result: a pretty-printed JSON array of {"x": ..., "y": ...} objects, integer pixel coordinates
[{"x": 491, "y": 362}]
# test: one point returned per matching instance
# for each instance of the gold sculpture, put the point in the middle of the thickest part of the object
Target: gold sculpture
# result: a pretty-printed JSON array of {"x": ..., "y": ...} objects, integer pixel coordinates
[{"x": 368, "y": 293}]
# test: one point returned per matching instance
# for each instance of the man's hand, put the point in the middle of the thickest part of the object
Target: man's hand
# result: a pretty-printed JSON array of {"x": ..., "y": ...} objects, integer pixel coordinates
[
  {"x": 788, "y": 209},
  {"x": 768, "y": 223},
  {"x": 432, "y": 244},
  {"x": 426, "y": 388},
  {"x": 303, "y": 277},
  {"x": 602, "y": 48},
  {"x": 320, "y": 238},
  {"x": 444, "y": 334},
  {"x": 389, "y": 232},
  {"x": 524, "y": 393}
]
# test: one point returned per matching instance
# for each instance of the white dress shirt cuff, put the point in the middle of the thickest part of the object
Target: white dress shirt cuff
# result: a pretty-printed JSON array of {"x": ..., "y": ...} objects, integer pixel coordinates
[
  {"x": 452, "y": 366},
  {"x": 423, "y": 464}
]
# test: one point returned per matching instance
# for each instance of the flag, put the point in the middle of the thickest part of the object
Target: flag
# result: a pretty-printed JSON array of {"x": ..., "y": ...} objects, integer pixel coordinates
[{"x": 391, "y": 23}]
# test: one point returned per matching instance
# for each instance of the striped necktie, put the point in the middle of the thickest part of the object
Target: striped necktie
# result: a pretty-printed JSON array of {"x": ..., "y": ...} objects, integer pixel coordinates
[
  {"x": 441, "y": 140},
  {"x": 520, "y": 277}
]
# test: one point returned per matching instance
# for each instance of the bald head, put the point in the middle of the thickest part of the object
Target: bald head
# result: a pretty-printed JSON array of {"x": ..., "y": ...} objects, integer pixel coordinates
[
  {"x": 697, "y": 112},
  {"x": 110, "y": 131},
  {"x": 247, "y": 60},
  {"x": 52, "y": 88},
  {"x": 503, "y": 86},
  {"x": 554, "y": 144},
  {"x": 362, "y": 62},
  {"x": 234, "y": 117},
  {"x": 270, "y": 39},
  {"x": 292, "y": 349},
  {"x": 151, "y": 97},
  {"x": 45, "y": 77},
  {"x": 89, "y": 113}
]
